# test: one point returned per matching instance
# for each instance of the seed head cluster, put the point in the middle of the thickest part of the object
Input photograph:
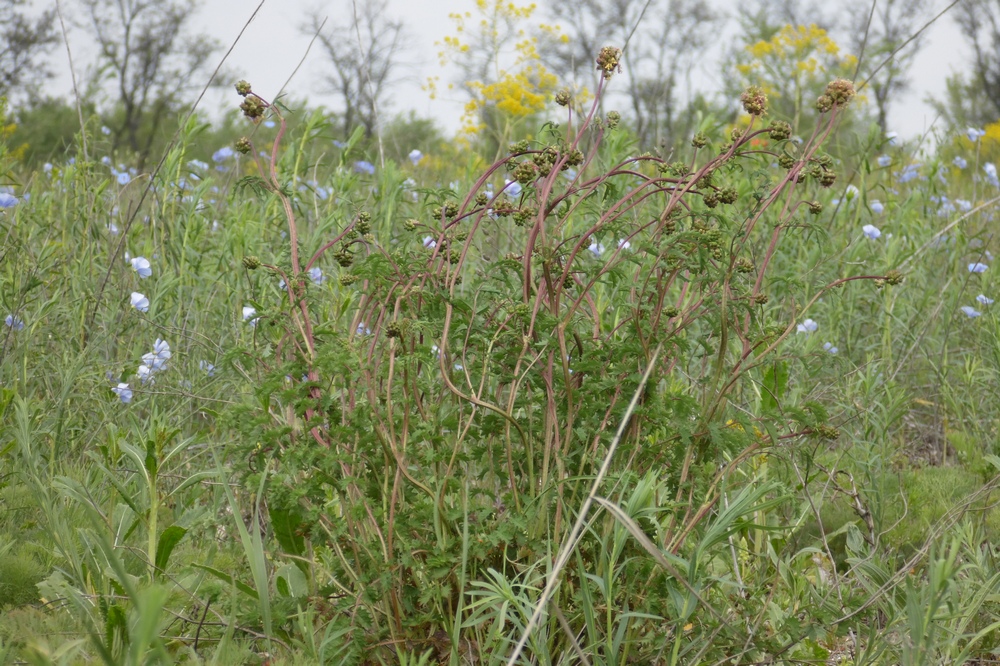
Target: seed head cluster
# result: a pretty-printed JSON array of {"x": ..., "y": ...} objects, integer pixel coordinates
[{"x": 608, "y": 61}]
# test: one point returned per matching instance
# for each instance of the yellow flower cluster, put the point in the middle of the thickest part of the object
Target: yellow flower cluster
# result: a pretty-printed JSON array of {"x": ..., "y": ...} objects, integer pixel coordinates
[
  {"x": 521, "y": 85},
  {"x": 793, "y": 52},
  {"x": 518, "y": 94},
  {"x": 992, "y": 133},
  {"x": 794, "y": 66}
]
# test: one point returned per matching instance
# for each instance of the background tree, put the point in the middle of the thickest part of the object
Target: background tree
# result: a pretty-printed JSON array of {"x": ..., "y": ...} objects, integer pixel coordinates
[
  {"x": 892, "y": 23},
  {"x": 144, "y": 51},
  {"x": 793, "y": 66},
  {"x": 24, "y": 42},
  {"x": 497, "y": 54},
  {"x": 979, "y": 21},
  {"x": 662, "y": 40},
  {"x": 365, "y": 54}
]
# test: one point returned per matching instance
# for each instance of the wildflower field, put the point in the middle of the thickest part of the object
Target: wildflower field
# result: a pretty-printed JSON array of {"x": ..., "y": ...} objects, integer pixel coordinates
[{"x": 539, "y": 394}]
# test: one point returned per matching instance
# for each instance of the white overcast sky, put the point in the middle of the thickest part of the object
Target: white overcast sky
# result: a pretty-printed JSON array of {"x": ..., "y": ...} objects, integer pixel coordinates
[{"x": 273, "y": 45}]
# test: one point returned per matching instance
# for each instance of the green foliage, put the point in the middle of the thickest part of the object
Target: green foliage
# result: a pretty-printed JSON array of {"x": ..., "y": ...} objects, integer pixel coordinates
[{"x": 390, "y": 396}]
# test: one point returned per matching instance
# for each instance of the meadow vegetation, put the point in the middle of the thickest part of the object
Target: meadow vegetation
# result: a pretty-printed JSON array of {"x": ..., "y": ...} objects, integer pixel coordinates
[{"x": 540, "y": 394}]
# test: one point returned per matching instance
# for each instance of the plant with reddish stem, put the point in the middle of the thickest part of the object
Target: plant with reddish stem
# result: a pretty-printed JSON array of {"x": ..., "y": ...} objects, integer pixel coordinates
[{"x": 480, "y": 372}]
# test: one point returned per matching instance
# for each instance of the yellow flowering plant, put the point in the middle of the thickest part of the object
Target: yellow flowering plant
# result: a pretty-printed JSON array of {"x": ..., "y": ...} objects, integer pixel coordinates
[
  {"x": 793, "y": 67},
  {"x": 501, "y": 67}
]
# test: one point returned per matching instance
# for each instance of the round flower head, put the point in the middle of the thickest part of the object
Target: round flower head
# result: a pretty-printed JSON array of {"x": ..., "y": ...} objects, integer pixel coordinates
[
  {"x": 977, "y": 267},
  {"x": 871, "y": 231},
  {"x": 884, "y": 160},
  {"x": 876, "y": 206},
  {"x": 808, "y": 326},
  {"x": 960, "y": 162},
  {"x": 139, "y": 302},
  {"x": 754, "y": 101},
  {"x": 415, "y": 156},
  {"x": 141, "y": 266}
]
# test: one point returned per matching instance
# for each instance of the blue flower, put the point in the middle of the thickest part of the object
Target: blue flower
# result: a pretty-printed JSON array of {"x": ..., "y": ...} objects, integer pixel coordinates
[
  {"x": 991, "y": 173},
  {"x": 363, "y": 330},
  {"x": 871, "y": 231},
  {"x": 884, "y": 160},
  {"x": 984, "y": 300},
  {"x": 429, "y": 242},
  {"x": 105, "y": 130},
  {"x": 124, "y": 393},
  {"x": 7, "y": 200},
  {"x": 876, "y": 206},
  {"x": 157, "y": 359},
  {"x": 623, "y": 244},
  {"x": 198, "y": 164},
  {"x": 974, "y": 134},
  {"x": 250, "y": 313},
  {"x": 830, "y": 348},
  {"x": 316, "y": 275},
  {"x": 910, "y": 171},
  {"x": 513, "y": 187},
  {"x": 141, "y": 266},
  {"x": 415, "y": 156},
  {"x": 222, "y": 154},
  {"x": 139, "y": 302},
  {"x": 970, "y": 311},
  {"x": 14, "y": 322},
  {"x": 977, "y": 267},
  {"x": 123, "y": 178},
  {"x": 808, "y": 326},
  {"x": 207, "y": 367},
  {"x": 269, "y": 124},
  {"x": 596, "y": 248},
  {"x": 960, "y": 162},
  {"x": 892, "y": 138},
  {"x": 47, "y": 167},
  {"x": 339, "y": 144},
  {"x": 362, "y": 166},
  {"x": 964, "y": 205},
  {"x": 145, "y": 374}
]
